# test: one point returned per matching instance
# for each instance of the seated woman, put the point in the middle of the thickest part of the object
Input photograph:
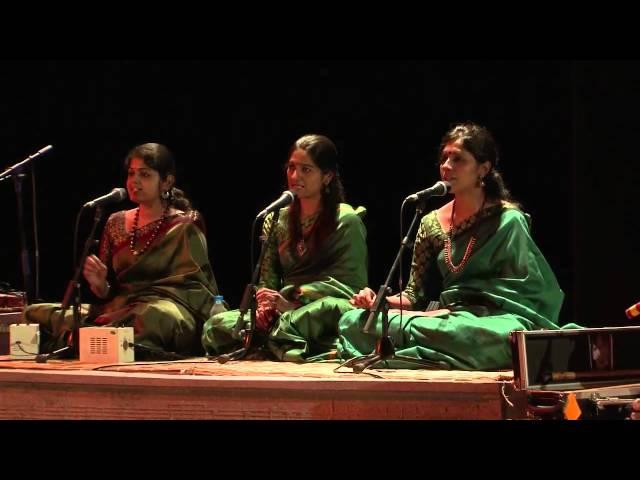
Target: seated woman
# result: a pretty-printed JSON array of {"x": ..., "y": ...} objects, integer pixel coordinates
[
  {"x": 315, "y": 262},
  {"x": 153, "y": 271},
  {"x": 476, "y": 253},
  {"x": 635, "y": 409}
]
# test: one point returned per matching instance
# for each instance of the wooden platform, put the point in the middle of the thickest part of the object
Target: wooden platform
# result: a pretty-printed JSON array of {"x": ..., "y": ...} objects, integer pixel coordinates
[{"x": 201, "y": 389}]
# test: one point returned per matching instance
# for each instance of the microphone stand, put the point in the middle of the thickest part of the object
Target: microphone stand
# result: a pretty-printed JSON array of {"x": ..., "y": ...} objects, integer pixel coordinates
[
  {"x": 15, "y": 172},
  {"x": 248, "y": 303},
  {"x": 72, "y": 298},
  {"x": 384, "y": 345},
  {"x": 25, "y": 254}
]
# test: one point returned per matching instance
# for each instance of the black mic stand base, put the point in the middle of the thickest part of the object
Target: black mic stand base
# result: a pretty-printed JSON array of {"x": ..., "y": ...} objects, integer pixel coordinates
[
  {"x": 384, "y": 345},
  {"x": 385, "y": 351},
  {"x": 236, "y": 355},
  {"x": 72, "y": 299},
  {"x": 248, "y": 303},
  {"x": 251, "y": 342},
  {"x": 245, "y": 335},
  {"x": 64, "y": 352}
]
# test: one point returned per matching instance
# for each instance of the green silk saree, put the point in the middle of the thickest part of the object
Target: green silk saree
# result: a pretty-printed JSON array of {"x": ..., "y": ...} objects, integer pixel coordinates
[
  {"x": 165, "y": 294},
  {"x": 506, "y": 284},
  {"x": 321, "y": 283}
]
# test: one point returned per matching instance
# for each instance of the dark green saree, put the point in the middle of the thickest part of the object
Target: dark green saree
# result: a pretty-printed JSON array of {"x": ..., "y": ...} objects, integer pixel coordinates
[
  {"x": 165, "y": 293},
  {"x": 321, "y": 283},
  {"x": 505, "y": 285}
]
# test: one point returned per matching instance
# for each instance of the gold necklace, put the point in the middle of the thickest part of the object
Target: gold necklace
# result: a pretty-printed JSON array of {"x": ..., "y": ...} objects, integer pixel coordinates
[
  {"x": 447, "y": 244},
  {"x": 301, "y": 246}
]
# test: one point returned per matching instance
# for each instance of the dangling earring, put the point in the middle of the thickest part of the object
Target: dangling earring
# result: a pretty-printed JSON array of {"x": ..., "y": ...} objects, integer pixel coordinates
[
  {"x": 168, "y": 195},
  {"x": 480, "y": 182},
  {"x": 326, "y": 189}
]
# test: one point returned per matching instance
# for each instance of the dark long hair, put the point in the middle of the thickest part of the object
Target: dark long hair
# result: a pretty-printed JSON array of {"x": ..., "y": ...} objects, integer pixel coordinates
[
  {"x": 479, "y": 141},
  {"x": 159, "y": 158},
  {"x": 324, "y": 154}
]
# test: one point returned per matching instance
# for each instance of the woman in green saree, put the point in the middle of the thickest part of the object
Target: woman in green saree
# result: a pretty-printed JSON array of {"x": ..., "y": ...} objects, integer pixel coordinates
[
  {"x": 152, "y": 272},
  {"x": 635, "y": 409},
  {"x": 315, "y": 262},
  {"x": 476, "y": 256}
]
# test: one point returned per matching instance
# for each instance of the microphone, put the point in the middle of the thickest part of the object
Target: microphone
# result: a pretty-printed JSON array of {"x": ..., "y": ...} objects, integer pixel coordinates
[
  {"x": 41, "y": 151},
  {"x": 633, "y": 311},
  {"x": 16, "y": 168},
  {"x": 116, "y": 195},
  {"x": 285, "y": 199},
  {"x": 439, "y": 189}
]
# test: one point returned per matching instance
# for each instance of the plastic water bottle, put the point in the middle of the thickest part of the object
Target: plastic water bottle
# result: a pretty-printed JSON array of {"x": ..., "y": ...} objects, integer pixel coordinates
[{"x": 218, "y": 306}]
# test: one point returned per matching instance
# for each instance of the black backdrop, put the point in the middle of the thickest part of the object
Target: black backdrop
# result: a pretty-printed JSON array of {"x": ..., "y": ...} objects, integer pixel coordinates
[{"x": 568, "y": 133}]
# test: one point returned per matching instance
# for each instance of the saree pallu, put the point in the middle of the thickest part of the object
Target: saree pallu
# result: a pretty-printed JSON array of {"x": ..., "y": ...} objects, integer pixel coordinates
[
  {"x": 165, "y": 294},
  {"x": 505, "y": 285},
  {"x": 320, "y": 281}
]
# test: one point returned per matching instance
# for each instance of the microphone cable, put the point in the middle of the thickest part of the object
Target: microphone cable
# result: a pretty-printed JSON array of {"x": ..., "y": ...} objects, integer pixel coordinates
[
  {"x": 75, "y": 238},
  {"x": 36, "y": 243},
  {"x": 158, "y": 353},
  {"x": 253, "y": 245},
  {"x": 400, "y": 264}
]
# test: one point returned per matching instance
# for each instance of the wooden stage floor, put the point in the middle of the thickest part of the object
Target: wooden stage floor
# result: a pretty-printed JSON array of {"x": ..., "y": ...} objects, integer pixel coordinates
[{"x": 201, "y": 389}]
